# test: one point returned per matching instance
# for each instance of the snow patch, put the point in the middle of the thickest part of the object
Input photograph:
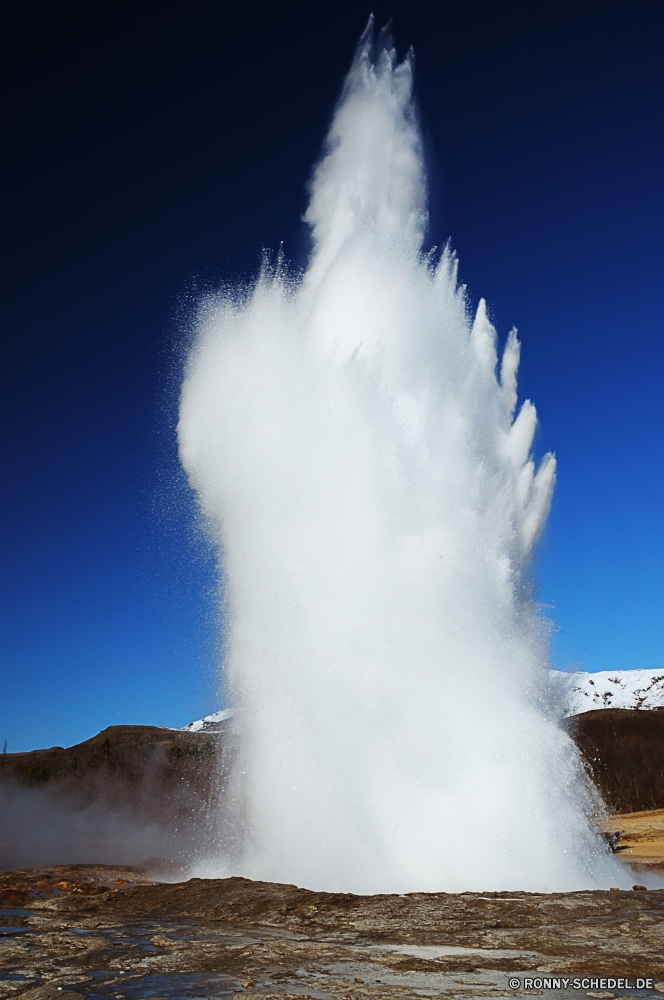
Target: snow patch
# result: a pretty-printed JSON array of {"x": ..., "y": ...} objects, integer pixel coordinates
[
  {"x": 575, "y": 692},
  {"x": 210, "y": 723},
  {"x": 582, "y": 691}
]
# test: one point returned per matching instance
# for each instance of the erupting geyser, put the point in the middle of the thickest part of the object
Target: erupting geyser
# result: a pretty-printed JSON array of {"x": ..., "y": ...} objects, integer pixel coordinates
[{"x": 375, "y": 505}]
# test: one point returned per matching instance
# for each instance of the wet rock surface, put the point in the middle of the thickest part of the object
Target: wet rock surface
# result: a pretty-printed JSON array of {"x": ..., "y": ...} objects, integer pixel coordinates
[{"x": 108, "y": 932}]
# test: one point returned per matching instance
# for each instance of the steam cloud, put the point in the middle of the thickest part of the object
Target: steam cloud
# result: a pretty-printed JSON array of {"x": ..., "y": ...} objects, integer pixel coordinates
[
  {"x": 98, "y": 821},
  {"x": 375, "y": 505}
]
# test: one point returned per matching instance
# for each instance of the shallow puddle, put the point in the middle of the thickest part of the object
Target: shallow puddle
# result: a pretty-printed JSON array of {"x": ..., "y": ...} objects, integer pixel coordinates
[
  {"x": 434, "y": 951},
  {"x": 173, "y": 986}
]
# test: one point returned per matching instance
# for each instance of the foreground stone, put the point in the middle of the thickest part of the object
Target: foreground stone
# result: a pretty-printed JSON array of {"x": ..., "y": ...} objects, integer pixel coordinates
[{"x": 108, "y": 932}]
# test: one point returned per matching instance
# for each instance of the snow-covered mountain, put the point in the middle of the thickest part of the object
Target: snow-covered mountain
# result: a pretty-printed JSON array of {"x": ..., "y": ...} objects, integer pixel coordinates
[
  {"x": 574, "y": 692},
  {"x": 582, "y": 691},
  {"x": 209, "y": 724}
]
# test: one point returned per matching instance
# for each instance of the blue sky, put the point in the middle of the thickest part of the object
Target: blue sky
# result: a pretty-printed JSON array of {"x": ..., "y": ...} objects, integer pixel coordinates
[{"x": 153, "y": 152}]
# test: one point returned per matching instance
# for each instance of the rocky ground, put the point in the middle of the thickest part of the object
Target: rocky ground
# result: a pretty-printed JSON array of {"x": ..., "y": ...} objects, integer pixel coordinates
[{"x": 109, "y": 932}]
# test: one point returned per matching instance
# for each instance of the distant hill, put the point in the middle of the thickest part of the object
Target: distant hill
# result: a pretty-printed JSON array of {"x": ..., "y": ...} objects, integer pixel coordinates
[
  {"x": 122, "y": 750},
  {"x": 623, "y": 751},
  {"x": 616, "y": 719}
]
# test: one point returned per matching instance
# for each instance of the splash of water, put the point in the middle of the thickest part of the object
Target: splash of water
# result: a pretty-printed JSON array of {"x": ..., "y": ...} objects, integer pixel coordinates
[{"x": 375, "y": 504}]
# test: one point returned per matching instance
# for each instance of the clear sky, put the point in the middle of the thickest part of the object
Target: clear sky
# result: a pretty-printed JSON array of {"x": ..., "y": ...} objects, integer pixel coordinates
[{"x": 154, "y": 149}]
